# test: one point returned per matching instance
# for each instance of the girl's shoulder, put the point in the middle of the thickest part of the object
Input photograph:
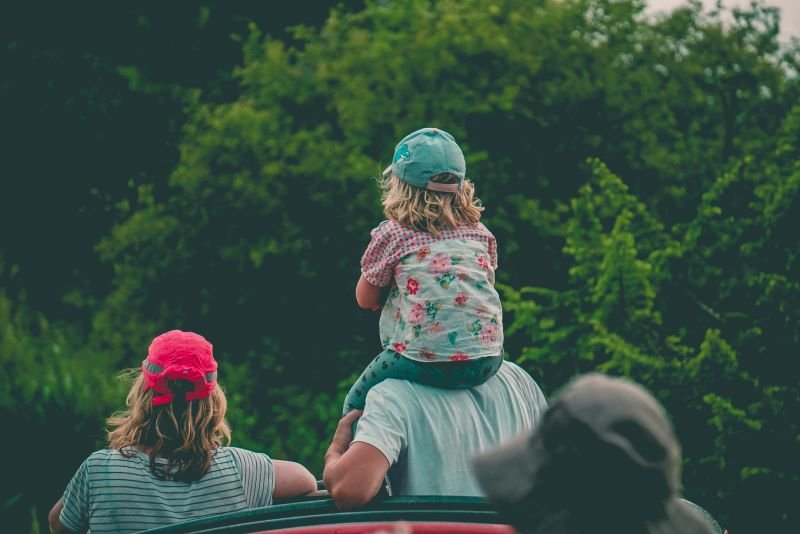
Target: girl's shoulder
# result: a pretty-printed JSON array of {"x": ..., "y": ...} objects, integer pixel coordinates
[
  {"x": 393, "y": 237},
  {"x": 389, "y": 230},
  {"x": 128, "y": 451},
  {"x": 238, "y": 452},
  {"x": 103, "y": 456},
  {"x": 389, "y": 225},
  {"x": 477, "y": 230},
  {"x": 113, "y": 458},
  {"x": 482, "y": 228}
]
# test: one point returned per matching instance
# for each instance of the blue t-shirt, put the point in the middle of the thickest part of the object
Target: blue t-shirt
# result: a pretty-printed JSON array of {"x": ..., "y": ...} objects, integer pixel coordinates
[
  {"x": 115, "y": 493},
  {"x": 428, "y": 434}
]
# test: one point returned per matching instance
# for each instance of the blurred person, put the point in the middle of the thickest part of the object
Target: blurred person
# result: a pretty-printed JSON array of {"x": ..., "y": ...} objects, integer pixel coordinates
[
  {"x": 708, "y": 517},
  {"x": 167, "y": 459},
  {"x": 442, "y": 322},
  {"x": 604, "y": 460},
  {"x": 421, "y": 438}
]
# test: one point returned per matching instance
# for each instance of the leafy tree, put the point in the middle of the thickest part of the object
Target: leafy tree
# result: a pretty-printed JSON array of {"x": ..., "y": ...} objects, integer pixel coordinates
[
  {"x": 704, "y": 313},
  {"x": 669, "y": 257},
  {"x": 92, "y": 100},
  {"x": 53, "y": 393}
]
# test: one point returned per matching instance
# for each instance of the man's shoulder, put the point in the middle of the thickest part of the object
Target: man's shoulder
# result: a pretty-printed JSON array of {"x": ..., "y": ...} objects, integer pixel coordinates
[
  {"x": 509, "y": 376},
  {"x": 393, "y": 386},
  {"x": 512, "y": 369},
  {"x": 511, "y": 372},
  {"x": 399, "y": 395},
  {"x": 517, "y": 380}
]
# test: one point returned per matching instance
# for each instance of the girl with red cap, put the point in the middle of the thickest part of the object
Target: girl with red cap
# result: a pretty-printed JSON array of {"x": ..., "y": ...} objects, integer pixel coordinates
[{"x": 167, "y": 459}]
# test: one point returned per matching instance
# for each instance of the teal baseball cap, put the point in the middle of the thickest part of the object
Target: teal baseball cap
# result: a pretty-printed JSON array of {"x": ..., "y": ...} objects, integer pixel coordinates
[{"x": 423, "y": 154}]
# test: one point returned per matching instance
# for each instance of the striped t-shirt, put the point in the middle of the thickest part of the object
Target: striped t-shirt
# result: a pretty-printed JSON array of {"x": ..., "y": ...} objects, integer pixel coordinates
[{"x": 115, "y": 493}]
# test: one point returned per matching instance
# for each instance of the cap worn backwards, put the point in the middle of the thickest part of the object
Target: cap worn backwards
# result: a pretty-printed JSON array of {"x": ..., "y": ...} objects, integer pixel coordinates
[
  {"x": 423, "y": 154},
  {"x": 605, "y": 444},
  {"x": 177, "y": 355}
]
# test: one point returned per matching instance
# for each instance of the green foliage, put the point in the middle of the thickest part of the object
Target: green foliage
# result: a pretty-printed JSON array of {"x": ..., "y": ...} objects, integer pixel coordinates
[
  {"x": 641, "y": 177},
  {"x": 704, "y": 313},
  {"x": 54, "y": 394},
  {"x": 41, "y": 367}
]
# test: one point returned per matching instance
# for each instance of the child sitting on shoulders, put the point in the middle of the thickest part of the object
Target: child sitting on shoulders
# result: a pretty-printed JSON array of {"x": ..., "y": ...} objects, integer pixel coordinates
[{"x": 441, "y": 324}]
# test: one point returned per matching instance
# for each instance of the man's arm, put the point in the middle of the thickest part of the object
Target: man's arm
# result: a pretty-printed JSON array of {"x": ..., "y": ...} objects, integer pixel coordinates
[
  {"x": 368, "y": 296},
  {"x": 354, "y": 473}
]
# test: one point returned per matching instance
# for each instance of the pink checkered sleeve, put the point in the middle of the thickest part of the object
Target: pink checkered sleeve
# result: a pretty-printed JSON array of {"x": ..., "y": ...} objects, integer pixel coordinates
[
  {"x": 491, "y": 243},
  {"x": 378, "y": 261}
]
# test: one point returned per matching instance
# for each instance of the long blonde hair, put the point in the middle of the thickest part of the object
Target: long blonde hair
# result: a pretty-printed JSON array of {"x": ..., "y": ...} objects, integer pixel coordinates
[
  {"x": 185, "y": 433},
  {"x": 430, "y": 211}
]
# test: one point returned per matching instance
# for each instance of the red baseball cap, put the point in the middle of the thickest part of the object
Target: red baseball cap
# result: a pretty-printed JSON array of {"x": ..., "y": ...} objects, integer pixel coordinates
[{"x": 180, "y": 355}]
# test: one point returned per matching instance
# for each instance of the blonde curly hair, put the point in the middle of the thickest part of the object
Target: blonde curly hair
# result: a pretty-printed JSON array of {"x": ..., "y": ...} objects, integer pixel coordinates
[
  {"x": 185, "y": 433},
  {"x": 426, "y": 210}
]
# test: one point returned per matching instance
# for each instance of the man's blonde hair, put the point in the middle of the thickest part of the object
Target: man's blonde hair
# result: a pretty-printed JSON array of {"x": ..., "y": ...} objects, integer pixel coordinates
[
  {"x": 430, "y": 211},
  {"x": 184, "y": 433}
]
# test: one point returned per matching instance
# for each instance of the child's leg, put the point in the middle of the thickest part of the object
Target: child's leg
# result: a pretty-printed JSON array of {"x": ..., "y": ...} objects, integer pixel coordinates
[
  {"x": 449, "y": 375},
  {"x": 462, "y": 374},
  {"x": 387, "y": 364}
]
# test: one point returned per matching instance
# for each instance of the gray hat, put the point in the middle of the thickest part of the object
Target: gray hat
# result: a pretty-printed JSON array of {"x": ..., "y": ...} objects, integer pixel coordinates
[
  {"x": 706, "y": 515},
  {"x": 603, "y": 459},
  {"x": 423, "y": 154}
]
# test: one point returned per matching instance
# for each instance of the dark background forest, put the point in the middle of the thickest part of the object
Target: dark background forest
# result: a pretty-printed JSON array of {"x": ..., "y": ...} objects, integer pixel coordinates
[{"x": 209, "y": 167}]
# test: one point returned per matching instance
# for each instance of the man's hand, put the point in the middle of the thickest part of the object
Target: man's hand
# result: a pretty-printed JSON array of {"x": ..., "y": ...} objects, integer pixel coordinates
[
  {"x": 343, "y": 435},
  {"x": 353, "y": 474}
]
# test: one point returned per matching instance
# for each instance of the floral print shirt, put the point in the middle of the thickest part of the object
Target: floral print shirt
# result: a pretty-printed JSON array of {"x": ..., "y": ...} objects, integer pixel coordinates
[{"x": 442, "y": 305}]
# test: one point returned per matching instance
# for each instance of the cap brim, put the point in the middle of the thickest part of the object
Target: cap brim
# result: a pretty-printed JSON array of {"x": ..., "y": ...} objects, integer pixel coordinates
[{"x": 507, "y": 473}]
